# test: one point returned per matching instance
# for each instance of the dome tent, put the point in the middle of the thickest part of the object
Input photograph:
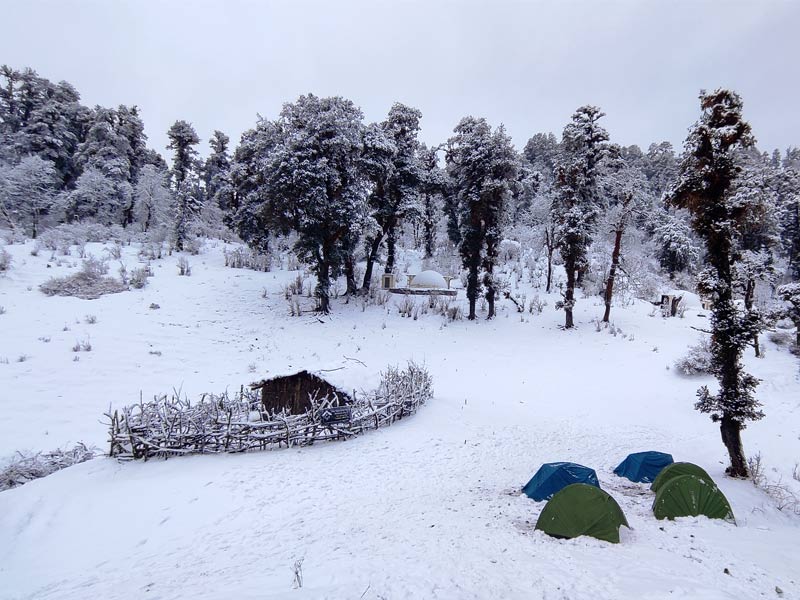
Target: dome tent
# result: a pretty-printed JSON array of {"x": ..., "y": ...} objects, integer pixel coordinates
[
  {"x": 581, "y": 509},
  {"x": 429, "y": 279},
  {"x": 643, "y": 467},
  {"x": 553, "y": 477},
  {"x": 690, "y": 496},
  {"x": 676, "y": 470}
]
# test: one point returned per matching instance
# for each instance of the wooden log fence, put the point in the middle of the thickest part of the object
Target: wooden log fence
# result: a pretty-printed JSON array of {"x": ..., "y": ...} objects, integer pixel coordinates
[{"x": 172, "y": 426}]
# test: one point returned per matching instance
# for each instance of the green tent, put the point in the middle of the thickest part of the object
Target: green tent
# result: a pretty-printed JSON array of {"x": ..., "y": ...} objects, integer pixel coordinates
[
  {"x": 582, "y": 509},
  {"x": 690, "y": 496},
  {"x": 676, "y": 470}
]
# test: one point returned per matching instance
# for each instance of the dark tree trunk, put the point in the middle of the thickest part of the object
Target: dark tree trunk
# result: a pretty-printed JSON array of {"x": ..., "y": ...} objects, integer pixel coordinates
[
  {"x": 371, "y": 258},
  {"x": 472, "y": 289},
  {"x": 749, "y": 296},
  {"x": 612, "y": 273},
  {"x": 430, "y": 237},
  {"x": 581, "y": 273},
  {"x": 731, "y": 437},
  {"x": 569, "y": 294},
  {"x": 350, "y": 274},
  {"x": 550, "y": 245},
  {"x": 391, "y": 242},
  {"x": 323, "y": 283},
  {"x": 490, "y": 295}
]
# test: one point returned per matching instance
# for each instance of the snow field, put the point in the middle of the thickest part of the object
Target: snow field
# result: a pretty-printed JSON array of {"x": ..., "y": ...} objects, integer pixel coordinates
[{"x": 428, "y": 508}]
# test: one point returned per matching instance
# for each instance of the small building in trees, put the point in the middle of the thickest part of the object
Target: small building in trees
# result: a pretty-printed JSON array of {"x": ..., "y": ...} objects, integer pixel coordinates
[{"x": 296, "y": 393}]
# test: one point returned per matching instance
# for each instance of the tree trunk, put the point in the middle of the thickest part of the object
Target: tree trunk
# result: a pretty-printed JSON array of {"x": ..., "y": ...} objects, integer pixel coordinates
[
  {"x": 323, "y": 283},
  {"x": 391, "y": 242},
  {"x": 371, "y": 258},
  {"x": 612, "y": 273},
  {"x": 350, "y": 274},
  {"x": 472, "y": 289},
  {"x": 749, "y": 296},
  {"x": 731, "y": 437},
  {"x": 430, "y": 229},
  {"x": 550, "y": 249},
  {"x": 569, "y": 295}
]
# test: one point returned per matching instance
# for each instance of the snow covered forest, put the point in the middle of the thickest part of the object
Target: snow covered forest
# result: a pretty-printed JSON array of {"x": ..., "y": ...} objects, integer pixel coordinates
[{"x": 609, "y": 299}]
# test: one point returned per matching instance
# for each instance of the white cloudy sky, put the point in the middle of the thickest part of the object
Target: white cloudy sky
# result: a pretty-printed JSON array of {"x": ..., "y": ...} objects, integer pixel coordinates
[{"x": 525, "y": 64}]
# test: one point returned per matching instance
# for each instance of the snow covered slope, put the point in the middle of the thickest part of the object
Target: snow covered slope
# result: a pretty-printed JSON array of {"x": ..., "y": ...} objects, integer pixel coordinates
[{"x": 428, "y": 508}]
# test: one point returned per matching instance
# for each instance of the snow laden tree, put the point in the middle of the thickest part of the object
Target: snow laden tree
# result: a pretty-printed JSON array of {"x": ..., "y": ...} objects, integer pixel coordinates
[
  {"x": 152, "y": 198},
  {"x": 790, "y": 294},
  {"x": 217, "y": 172},
  {"x": 390, "y": 160},
  {"x": 675, "y": 247},
  {"x": 103, "y": 191},
  {"x": 788, "y": 189},
  {"x": 483, "y": 167},
  {"x": 250, "y": 214},
  {"x": 314, "y": 183},
  {"x": 184, "y": 179},
  {"x": 759, "y": 235},
  {"x": 432, "y": 186},
  {"x": 28, "y": 193},
  {"x": 577, "y": 196},
  {"x": 541, "y": 153},
  {"x": 541, "y": 216},
  {"x": 660, "y": 167},
  {"x": 626, "y": 190},
  {"x": 41, "y": 118},
  {"x": 706, "y": 186}
]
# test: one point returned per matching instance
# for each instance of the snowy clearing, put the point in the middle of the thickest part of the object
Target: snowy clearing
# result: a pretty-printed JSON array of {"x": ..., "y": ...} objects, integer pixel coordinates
[{"x": 427, "y": 508}]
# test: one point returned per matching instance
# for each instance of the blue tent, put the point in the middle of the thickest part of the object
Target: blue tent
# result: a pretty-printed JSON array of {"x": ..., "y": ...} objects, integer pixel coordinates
[
  {"x": 553, "y": 477},
  {"x": 643, "y": 466}
]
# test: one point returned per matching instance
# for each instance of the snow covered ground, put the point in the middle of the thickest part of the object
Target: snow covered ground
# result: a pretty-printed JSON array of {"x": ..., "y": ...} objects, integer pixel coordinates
[{"x": 428, "y": 508}]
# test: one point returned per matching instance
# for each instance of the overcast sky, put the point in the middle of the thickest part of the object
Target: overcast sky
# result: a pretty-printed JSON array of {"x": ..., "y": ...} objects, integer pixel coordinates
[{"x": 525, "y": 64}]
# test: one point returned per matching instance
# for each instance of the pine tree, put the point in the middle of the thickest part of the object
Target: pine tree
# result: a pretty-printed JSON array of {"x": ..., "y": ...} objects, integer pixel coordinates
[
  {"x": 217, "y": 172},
  {"x": 787, "y": 185},
  {"x": 314, "y": 183},
  {"x": 483, "y": 166},
  {"x": 576, "y": 201},
  {"x": 390, "y": 160},
  {"x": 675, "y": 248},
  {"x": 706, "y": 186},
  {"x": 250, "y": 212},
  {"x": 433, "y": 185},
  {"x": 183, "y": 139},
  {"x": 103, "y": 190}
]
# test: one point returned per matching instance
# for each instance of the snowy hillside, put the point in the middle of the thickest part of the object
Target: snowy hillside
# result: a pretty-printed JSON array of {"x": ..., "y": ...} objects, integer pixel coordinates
[{"x": 428, "y": 508}]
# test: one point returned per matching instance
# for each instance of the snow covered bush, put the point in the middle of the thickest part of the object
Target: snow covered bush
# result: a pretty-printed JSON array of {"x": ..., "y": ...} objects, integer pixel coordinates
[
  {"x": 245, "y": 258},
  {"x": 5, "y": 260},
  {"x": 697, "y": 360},
  {"x": 63, "y": 236},
  {"x": 184, "y": 268},
  {"x": 412, "y": 385},
  {"x": 138, "y": 277},
  {"x": 25, "y": 467},
  {"x": 89, "y": 283}
]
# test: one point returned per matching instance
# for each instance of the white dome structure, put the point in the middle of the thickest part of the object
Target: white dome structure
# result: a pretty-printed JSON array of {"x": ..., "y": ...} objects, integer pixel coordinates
[{"x": 429, "y": 280}]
